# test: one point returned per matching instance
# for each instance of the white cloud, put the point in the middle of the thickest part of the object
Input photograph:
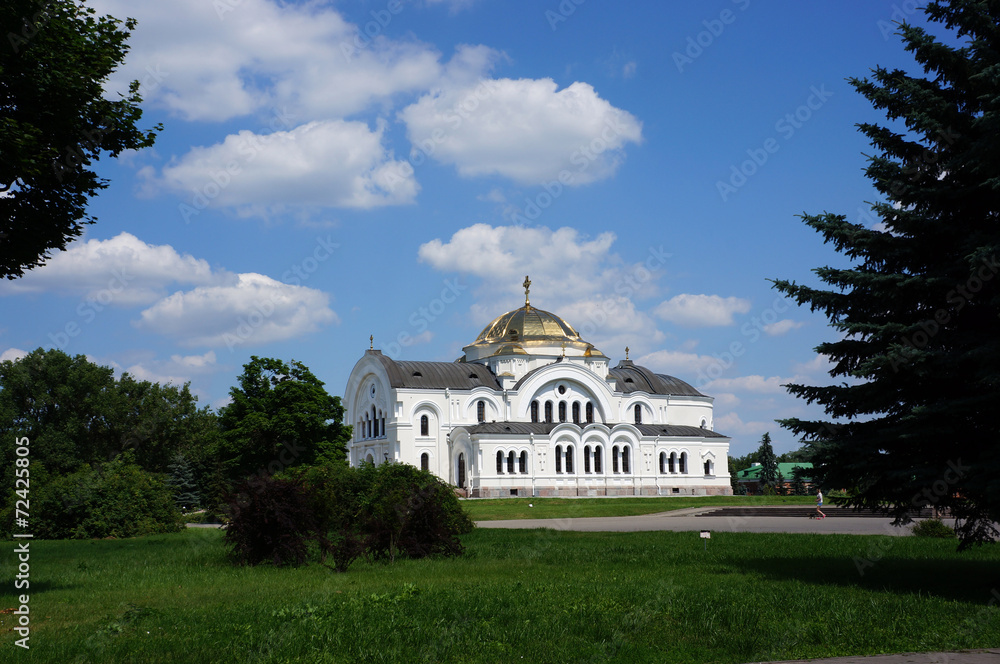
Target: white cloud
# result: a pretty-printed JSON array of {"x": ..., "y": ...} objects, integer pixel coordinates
[
  {"x": 330, "y": 163},
  {"x": 178, "y": 370},
  {"x": 123, "y": 271},
  {"x": 756, "y": 384},
  {"x": 819, "y": 364},
  {"x": 214, "y": 61},
  {"x": 685, "y": 366},
  {"x": 731, "y": 424},
  {"x": 524, "y": 129},
  {"x": 12, "y": 354},
  {"x": 782, "y": 327},
  {"x": 250, "y": 309},
  {"x": 689, "y": 310}
]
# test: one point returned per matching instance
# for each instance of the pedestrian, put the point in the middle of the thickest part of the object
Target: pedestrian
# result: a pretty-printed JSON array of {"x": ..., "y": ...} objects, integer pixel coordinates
[{"x": 819, "y": 504}]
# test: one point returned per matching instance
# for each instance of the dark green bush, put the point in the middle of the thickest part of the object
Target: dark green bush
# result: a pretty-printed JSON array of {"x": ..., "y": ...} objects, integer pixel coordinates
[
  {"x": 270, "y": 519},
  {"x": 932, "y": 528}
]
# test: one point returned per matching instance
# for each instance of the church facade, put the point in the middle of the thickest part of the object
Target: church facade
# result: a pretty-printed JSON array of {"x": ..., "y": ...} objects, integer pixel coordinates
[{"x": 531, "y": 409}]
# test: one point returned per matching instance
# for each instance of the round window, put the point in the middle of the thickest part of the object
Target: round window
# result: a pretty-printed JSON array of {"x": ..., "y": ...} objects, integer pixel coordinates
[{"x": 562, "y": 389}]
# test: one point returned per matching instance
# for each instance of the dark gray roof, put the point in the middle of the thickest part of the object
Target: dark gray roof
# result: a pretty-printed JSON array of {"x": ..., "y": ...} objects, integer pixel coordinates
[
  {"x": 545, "y": 428},
  {"x": 633, "y": 378},
  {"x": 436, "y": 375}
]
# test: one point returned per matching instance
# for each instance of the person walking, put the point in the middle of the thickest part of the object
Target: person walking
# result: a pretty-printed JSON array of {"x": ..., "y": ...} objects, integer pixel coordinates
[{"x": 819, "y": 504}]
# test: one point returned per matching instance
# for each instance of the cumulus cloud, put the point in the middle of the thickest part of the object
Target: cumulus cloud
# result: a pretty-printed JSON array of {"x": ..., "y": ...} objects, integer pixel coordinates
[
  {"x": 331, "y": 163},
  {"x": 179, "y": 369},
  {"x": 756, "y": 384},
  {"x": 782, "y": 327},
  {"x": 251, "y": 309},
  {"x": 213, "y": 61},
  {"x": 731, "y": 424},
  {"x": 686, "y": 366},
  {"x": 124, "y": 271},
  {"x": 689, "y": 310},
  {"x": 525, "y": 129},
  {"x": 12, "y": 354}
]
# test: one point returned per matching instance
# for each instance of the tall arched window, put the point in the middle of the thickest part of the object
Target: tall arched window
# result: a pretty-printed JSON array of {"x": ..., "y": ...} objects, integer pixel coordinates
[
  {"x": 534, "y": 411},
  {"x": 562, "y": 411},
  {"x": 586, "y": 459},
  {"x": 558, "y": 458},
  {"x": 511, "y": 458},
  {"x": 614, "y": 459},
  {"x": 522, "y": 463},
  {"x": 499, "y": 462},
  {"x": 708, "y": 467},
  {"x": 548, "y": 411},
  {"x": 663, "y": 462},
  {"x": 576, "y": 412},
  {"x": 425, "y": 426},
  {"x": 684, "y": 463},
  {"x": 672, "y": 462},
  {"x": 569, "y": 458},
  {"x": 625, "y": 459},
  {"x": 481, "y": 411},
  {"x": 638, "y": 413},
  {"x": 368, "y": 426},
  {"x": 461, "y": 471},
  {"x": 598, "y": 459},
  {"x": 383, "y": 426},
  {"x": 425, "y": 461},
  {"x": 590, "y": 413}
]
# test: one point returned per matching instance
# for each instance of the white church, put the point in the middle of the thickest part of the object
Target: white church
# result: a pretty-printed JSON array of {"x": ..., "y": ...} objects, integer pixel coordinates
[{"x": 531, "y": 409}]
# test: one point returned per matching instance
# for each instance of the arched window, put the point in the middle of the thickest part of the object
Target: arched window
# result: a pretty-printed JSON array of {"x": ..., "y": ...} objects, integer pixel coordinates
[
  {"x": 548, "y": 411},
  {"x": 511, "y": 458},
  {"x": 586, "y": 459},
  {"x": 569, "y": 458},
  {"x": 576, "y": 412},
  {"x": 383, "y": 426},
  {"x": 708, "y": 467},
  {"x": 425, "y": 426},
  {"x": 461, "y": 471},
  {"x": 370, "y": 459},
  {"x": 672, "y": 463},
  {"x": 534, "y": 411},
  {"x": 684, "y": 463},
  {"x": 522, "y": 463},
  {"x": 499, "y": 462},
  {"x": 614, "y": 459},
  {"x": 481, "y": 411},
  {"x": 625, "y": 459},
  {"x": 368, "y": 427},
  {"x": 704, "y": 423},
  {"x": 558, "y": 458},
  {"x": 598, "y": 459},
  {"x": 425, "y": 461},
  {"x": 590, "y": 413},
  {"x": 638, "y": 413},
  {"x": 663, "y": 462},
  {"x": 562, "y": 411}
]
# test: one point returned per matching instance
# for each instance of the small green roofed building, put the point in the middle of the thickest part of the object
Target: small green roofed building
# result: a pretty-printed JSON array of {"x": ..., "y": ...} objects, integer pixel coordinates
[{"x": 749, "y": 478}]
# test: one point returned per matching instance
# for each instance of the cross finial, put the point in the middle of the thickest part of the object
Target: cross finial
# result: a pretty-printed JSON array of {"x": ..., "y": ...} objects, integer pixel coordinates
[
  {"x": 626, "y": 353},
  {"x": 527, "y": 287},
  {"x": 564, "y": 348},
  {"x": 371, "y": 342}
]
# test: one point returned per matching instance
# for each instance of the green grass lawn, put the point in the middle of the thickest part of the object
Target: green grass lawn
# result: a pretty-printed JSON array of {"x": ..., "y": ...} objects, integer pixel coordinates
[
  {"x": 493, "y": 509},
  {"x": 528, "y": 595}
]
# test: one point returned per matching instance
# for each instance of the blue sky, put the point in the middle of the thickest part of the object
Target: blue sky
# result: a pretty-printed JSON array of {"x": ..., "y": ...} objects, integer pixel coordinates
[{"x": 329, "y": 171}]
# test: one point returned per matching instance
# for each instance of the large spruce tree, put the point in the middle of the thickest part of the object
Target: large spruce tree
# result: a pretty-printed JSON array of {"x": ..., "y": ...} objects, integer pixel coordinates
[{"x": 913, "y": 424}]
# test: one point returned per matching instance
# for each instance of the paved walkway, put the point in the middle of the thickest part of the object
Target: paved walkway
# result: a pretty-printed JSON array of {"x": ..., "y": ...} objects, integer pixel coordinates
[{"x": 991, "y": 656}]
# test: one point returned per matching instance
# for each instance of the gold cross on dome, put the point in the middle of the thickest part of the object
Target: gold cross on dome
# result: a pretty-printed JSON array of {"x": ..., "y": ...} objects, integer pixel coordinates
[
  {"x": 527, "y": 287},
  {"x": 626, "y": 353},
  {"x": 371, "y": 342}
]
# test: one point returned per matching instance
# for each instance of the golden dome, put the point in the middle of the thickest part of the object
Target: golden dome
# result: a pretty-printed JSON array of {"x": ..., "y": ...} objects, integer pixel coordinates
[{"x": 528, "y": 324}]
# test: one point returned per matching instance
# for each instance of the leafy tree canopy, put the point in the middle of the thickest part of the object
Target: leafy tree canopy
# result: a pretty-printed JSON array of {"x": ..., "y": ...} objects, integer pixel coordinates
[
  {"x": 280, "y": 417},
  {"x": 55, "y": 58},
  {"x": 912, "y": 424},
  {"x": 768, "y": 462}
]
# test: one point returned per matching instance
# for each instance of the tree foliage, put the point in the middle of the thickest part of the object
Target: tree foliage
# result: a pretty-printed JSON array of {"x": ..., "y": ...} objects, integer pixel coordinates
[
  {"x": 55, "y": 122},
  {"x": 916, "y": 311},
  {"x": 280, "y": 417},
  {"x": 768, "y": 462}
]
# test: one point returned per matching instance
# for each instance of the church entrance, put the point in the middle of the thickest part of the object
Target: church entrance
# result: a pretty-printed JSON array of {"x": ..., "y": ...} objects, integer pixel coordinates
[{"x": 461, "y": 471}]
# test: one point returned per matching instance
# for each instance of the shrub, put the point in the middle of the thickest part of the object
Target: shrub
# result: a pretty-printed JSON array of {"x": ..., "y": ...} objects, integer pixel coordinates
[
  {"x": 932, "y": 528},
  {"x": 270, "y": 519}
]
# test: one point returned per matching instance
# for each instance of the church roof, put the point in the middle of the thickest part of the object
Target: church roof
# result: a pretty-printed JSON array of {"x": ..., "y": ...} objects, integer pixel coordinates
[
  {"x": 631, "y": 377},
  {"x": 545, "y": 428},
  {"x": 528, "y": 324},
  {"x": 436, "y": 375}
]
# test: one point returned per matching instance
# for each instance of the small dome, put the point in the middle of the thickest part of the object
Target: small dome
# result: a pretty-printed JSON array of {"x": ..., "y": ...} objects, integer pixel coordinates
[{"x": 528, "y": 324}]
